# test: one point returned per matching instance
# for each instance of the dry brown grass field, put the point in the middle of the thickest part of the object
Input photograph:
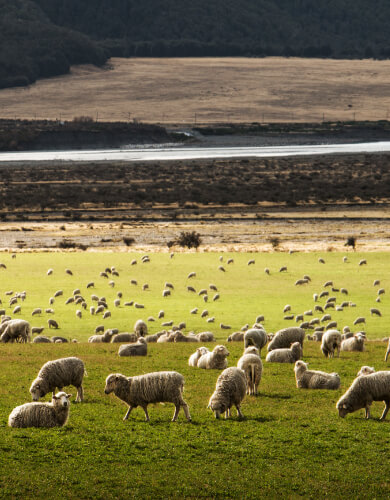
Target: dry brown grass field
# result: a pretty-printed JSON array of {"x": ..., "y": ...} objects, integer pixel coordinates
[{"x": 210, "y": 90}]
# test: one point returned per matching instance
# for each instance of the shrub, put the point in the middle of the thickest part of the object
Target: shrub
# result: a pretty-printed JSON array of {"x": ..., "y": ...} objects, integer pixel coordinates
[
  {"x": 275, "y": 242},
  {"x": 351, "y": 242},
  {"x": 189, "y": 239},
  {"x": 128, "y": 241}
]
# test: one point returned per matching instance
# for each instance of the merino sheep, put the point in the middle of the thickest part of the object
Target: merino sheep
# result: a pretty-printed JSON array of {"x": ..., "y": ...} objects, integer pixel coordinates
[
  {"x": 255, "y": 337},
  {"x": 363, "y": 391},
  {"x": 355, "y": 343},
  {"x": 236, "y": 337},
  {"x": 53, "y": 414},
  {"x": 59, "y": 373},
  {"x": 331, "y": 341},
  {"x": 365, "y": 370},
  {"x": 285, "y": 337},
  {"x": 141, "y": 390},
  {"x": 215, "y": 359},
  {"x": 140, "y": 348},
  {"x": 141, "y": 328},
  {"x": 230, "y": 390},
  {"x": 312, "y": 379},
  {"x": 194, "y": 358},
  {"x": 250, "y": 363},
  {"x": 17, "y": 330},
  {"x": 285, "y": 355}
]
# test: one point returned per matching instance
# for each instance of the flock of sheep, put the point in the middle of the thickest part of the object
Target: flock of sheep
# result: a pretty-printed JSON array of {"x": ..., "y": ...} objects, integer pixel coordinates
[{"x": 233, "y": 383}]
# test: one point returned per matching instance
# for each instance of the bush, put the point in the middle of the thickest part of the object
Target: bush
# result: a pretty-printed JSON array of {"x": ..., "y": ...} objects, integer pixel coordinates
[
  {"x": 187, "y": 239},
  {"x": 128, "y": 241},
  {"x": 275, "y": 242},
  {"x": 351, "y": 242}
]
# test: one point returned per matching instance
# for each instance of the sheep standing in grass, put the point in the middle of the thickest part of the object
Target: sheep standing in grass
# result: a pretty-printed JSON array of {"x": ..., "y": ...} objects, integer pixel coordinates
[
  {"x": 59, "y": 373},
  {"x": 141, "y": 390},
  {"x": 194, "y": 358},
  {"x": 230, "y": 390},
  {"x": 140, "y": 348},
  {"x": 285, "y": 355},
  {"x": 331, "y": 341},
  {"x": 355, "y": 343},
  {"x": 387, "y": 350},
  {"x": 141, "y": 328},
  {"x": 252, "y": 366},
  {"x": 54, "y": 414},
  {"x": 214, "y": 360},
  {"x": 16, "y": 330},
  {"x": 285, "y": 337},
  {"x": 255, "y": 337},
  {"x": 363, "y": 391},
  {"x": 312, "y": 379}
]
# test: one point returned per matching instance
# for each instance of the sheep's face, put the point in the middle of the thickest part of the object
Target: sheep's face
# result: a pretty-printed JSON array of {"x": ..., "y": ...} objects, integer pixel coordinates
[
  {"x": 61, "y": 400},
  {"x": 37, "y": 390},
  {"x": 111, "y": 382},
  {"x": 299, "y": 365},
  {"x": 365, "y": 370},
  {"x": 343, "y": 409},
  {"x": 221, "y": 350},
  {"x": 218, "y": 408}
]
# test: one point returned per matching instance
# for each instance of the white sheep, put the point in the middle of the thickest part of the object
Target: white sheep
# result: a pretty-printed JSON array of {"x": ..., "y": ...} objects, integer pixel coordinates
[
  {"x": 53, "y": 414},
  {"x": 236, "y": 337},
  {"x": 141, "y": 328},
  {"x": 194, "y": 358},
  {"x": 252, "y": 366},
  {"x": 312, "y": 379},
  {"x": 255, "y": 337},
  {"x": 285, "y": 355},
  {"x": 215, "y": 359},
  {"x": 354, "y": 343},
  {"x": 331, "y": 341},
  {"x": 205, "y": 337},
  {"x": 230, "y": 390},
  {"x": 59, "y": 373},
  {"x": 17, "y": 330},
  {"x": 285, "y": 337},
  {"x": 124, "y": 337},
  {"x": 141, "y": 390},
  {"x": 365, "y": 370},
  {"x": 105, "y": 337},
  {"x": 140, "y": 348}
]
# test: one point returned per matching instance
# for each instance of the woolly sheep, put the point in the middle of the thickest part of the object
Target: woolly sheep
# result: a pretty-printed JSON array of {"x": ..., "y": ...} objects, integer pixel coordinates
[
  {"x": 287, "y": 308},
  {"x": 16, "y": 330},
  {"x": 236, "y": 337},
  {"x": 141, "y": 390},
  {"x": 53, "y": 414},
  {"x": 363, "y": 391},
  {"x": 359, "y": 320},
  {"x": 37, "y": 329},
  {"x": 178, "y": 336},
  {"x": 59, "y": 373},
  {"x": 213, "y": 287},
  {"x": 255, "y": 337},
  {"x": 250, "y": 363},
  {"x": 331, "y": 341},
  {"x": 375, "y": 311},
  {"x": 215, "y": 359},
  {"x": 194, "y": 358},
  {"x": 141, "y": 328},
  {"x": 52, "y": 323},
  {"x": 285, "y": 355},
  {"x": 105, "y": 337},
  {"x": 365, "y": 370},
  {"x": 124, "y": 337},
  {"x": 362, "y": 262},
  {"x": 155, "y": 337},
  {"x": 42, "y": 339},
  {"x": 230, "y": 390},
  {"x": 140, "y": 348},
  {"x": 285, "y": 337},
  {"x": 355, "y": 343},
  {"x": 205, "y": 337},
  {"x": 191, "y": 275},
  {"x": 312, "y": 379},
  {"x": 58, "y": 339}
]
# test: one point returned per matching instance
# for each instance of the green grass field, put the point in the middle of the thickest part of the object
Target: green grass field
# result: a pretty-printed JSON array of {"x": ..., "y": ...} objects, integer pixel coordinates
[{"x": 291, "y": 443}]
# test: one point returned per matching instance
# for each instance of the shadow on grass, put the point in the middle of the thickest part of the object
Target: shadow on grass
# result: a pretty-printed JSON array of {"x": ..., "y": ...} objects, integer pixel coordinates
[{"x": 274, "y": 396}]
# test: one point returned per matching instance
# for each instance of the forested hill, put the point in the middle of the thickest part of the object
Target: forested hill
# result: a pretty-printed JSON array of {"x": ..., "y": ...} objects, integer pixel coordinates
[{"x": 43, "y": 37}]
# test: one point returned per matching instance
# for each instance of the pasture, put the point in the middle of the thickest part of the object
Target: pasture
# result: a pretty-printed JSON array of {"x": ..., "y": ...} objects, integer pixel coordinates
[{"x": 291, "y": 443}]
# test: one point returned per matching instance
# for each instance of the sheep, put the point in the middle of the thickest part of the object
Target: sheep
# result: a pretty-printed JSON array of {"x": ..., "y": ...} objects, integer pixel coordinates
[
  {"x": 230, "y": 261},
  {"x": 17, "y": 310},
  {"x": 251, "y": 262},
  {"x": 330, "y": 325},
  {"x": 167, "y": 323},
  {"x": 299, "y": 317},
  {"x": 49, "y": 272},
  {"x": 344, "y": 291},
  {"x": 178, "y": 336},
  {"x": 124, "y": 337},
  {"x": 79, "y": 314},
  {"x": 140, "y": 348},
  {"x": 250, "y": 363},
  {"x": 166, "y": 293},
  {"x": 215, "y": 359},
  {"x": 355, "y": 343},
  {"x": 301, "y": 282},
  {"x": 141, "y": 390},
  {"x": 312, "y": 379},
  {"x": 317, "y": 336},
  {"x": 105, "y": 337},
  {"x": 155, "y": 337},
  {"x": 161, "y": 314},
  {"x": 91, "y": 284},
  {"x": 191, "y": 275},
  {"x": 331, "y": 341},
  {"x": 283, "y": 269},
  {"x": 58, "y": 293},
  {"x": 194, "y": 358},
  {"x": 362, "y": 262},
  {"x": 376, "y": 283},
  {"x": 52, "y": 323},
  {"x": 204, "y": 313},
  {"x": 37, "y": 329},
  {"x": 365, "y": 370},
  {"x": 59, "y": 373},
  {"x": 213, "y": 287},
  {"x": 288, "y": 317},
  {"x": 287, "y": 308},
  {"x": 230, "y": 390},
  {"x": 68, "y": 271},
  {"x": 58, "y": 339},
  {"x": 224, "y": 327},
  {"x": 285, "y": 337},
  {"x": 194, "y": 311},
  {"x": 266, "y": 270},
  {"x": 255, "y": 337},
  {"x": 107, "y": 314},
  {"x": 216, "y": 297},
  {"x": 205, "y": 337},
  {"x": 387, "y": 351},
  {"x": 236, "y": 337},
  {"x": 359, "y": 320},
  {"x": 17, "y": 330},
  {"x": 374, "y": 311},
  {"x": 363, "y": 391},
  {"x": 221, "y": 268},
  {"x": 210, "y": 320},
  {"x": 205, "y": 298},
  {"x": 285, "y": 355},
  {"x": 53, "y": 414},
  {"x": 191, "y": 289},
  {"x": 140, "y": 328},
  {"x": 41, "y": 339}
]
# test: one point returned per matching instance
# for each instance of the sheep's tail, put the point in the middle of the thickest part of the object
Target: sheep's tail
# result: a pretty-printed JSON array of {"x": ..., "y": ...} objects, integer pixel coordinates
[
  {"x": 85, "y": 372},
  {"x": 252, "y": 374}
]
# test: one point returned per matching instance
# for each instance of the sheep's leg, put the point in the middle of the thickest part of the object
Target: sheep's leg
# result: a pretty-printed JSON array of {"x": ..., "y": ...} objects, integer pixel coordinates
[
  {"x": 240, "y": 415},
  {"x": 80, "y": 394},
  {"x": 368, "y": 414},
  {"x": 387, "y": 354},
  {"x": 186, "y": 411},
  {"x": 128, "y": 413},
  {"x": 177, "y": 409},
  {"x": 387, "y": 407},
  {"x": 145, "y": 408}
]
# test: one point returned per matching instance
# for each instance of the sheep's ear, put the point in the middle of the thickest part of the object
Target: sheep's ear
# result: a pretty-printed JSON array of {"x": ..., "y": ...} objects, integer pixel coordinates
[
  {"x": 69, "y": 396},
  {"x": 54, "y": 397}
]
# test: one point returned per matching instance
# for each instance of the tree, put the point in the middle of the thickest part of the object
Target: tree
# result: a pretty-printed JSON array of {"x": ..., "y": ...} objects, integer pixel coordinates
[{"x": 189, "y": 239}]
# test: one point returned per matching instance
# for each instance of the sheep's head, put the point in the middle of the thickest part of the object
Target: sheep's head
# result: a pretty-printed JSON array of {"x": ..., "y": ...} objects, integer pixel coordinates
[
  {"x": 251, "y": 350},
  {"x": 300, "y": 365},
  {"x": 202, "y": 350},
  {"x": 218, "y": 407},
  {"x": 38, "y": 389},
  {"x": 61, "y": 400},
  {"x": 112, "y": 382},
  {"x": 343, "y": 408},
  {"x": 365, "y": 370},
  {"x": 221, "y": 350}
]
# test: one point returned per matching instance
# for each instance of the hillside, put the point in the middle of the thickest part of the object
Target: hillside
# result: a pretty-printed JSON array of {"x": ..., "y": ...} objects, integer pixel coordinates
[{"x": 42, "y": 38}]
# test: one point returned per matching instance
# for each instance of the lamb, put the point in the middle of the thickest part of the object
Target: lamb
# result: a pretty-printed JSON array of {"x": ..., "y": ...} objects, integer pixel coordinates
[
  {"x": 285, "y": 355},
  {"x": 365, "y": 370},
  {"x": 59, "y": 373},
  {"x": 141, "y": 390},
  {"x": 17, "y": 330},
  {"x": 285, "y": 337},
  {"x": 355, "y": 343},
  {"x": 250, "y": 363},
  {"x": 236, "y": 337},
  {"x": 140, "y": 348},
  {"x": 312, "y": 379},
  {"x": 124, "y": 337},
  {"x": 105, "y": 337},
  {"x": 141, "y": 328},
  {"x": 255, "y": 337},
  {"x": 53, "y": 414},
  {"x": 194, "y": 358},
  {"x": 205, "y": 337},
  {"x": 230, "y": 390},
  {"x": 363, "y": 391},
  {"x": 215, "y": 359},
  {"x": 331, "y": 341}
]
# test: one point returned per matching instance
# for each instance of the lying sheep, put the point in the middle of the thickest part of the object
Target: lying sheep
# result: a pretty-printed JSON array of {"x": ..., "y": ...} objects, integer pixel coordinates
[
  {"x": 194, "y": 358},
  {"x": 141, "y": 328},
  {"x": 215, "y": 359},
  {"x": 230, "y": 390},
  {"x": 155, "y": 337},
  {"x": 250, "y": 363},
  {"x": 124, "y": 337},
  {"x": 59, "y": 373},
  {"x": 205, "y": 337},
  {"x": 363, "y": 391},
  {"x": 58, "y": 339},
  {"x": 355, "y": 343},
  {"x": 140, "y": 348},
  {"x": 285, "y": 355},
  {"x": 54, "y": 414},
  {"x": 285, "y": 337},
  {"x": 236, "y": 337},
  {"x": 178, "y": 336},
  {"x": 17, "y": 330},
  {"x": 255, "y": 337},
  {"x": 141, "y": 390},
  {"x": 365, "y": 370},
  {"x": 105, "y": 337},
  {"x": 312, "y": 379},
  {"x": 331, "y": 341},
  {"x": 41, "y": 339}
]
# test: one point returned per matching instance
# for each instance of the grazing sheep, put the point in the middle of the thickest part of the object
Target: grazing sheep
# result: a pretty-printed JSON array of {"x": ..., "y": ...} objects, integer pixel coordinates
[
  {"x": 107, "y": 314},
  {"x": 191, "y": 275},
  {"x": 216, "y": 297},
  {"x": 255, "y": 337},
  {"x": 312, "y": 379},
  {"x": 99, "y": 328},
  {"x": 363, "y": 391},
  {"x": 285, "y": 355},
  {"x": 213, "y": 287},
  {"x": 191, "y": 289},
  {"x": 287, "y": 308},
  {"x": 54, "y": 414},
  {"x": 250, "y": 363},
  {"x": 381, "y": 291},
  {"x": 266, "y": 270},
  {"x": 167, "y": 323},
  {"x": 365, "y": 370},
  {"x": 17, "y": 330},
  {"x": 224, "y": 327},
  {"x": 355, "y": 343},
  {"x": 124, "y": 337},
  {"x": 283, "y": 269},
  {"x": 41, "y": 339},
  {"x": 236, "y": 337},
  {"x": 141, "y": 328},
  {"x": 194, "y": 311},
  {"x": 331, "y": 341},
  {"x": 221, "y": 268},
  {"x": 204, "y": 313},
  {"x": 362, "y": 262},
  {"x": 68, "y": 271},
  {"x": 210, "y": 320},
  {"x": 17, "y": 310},
  {"x": 166, "y": 293},
  {"x": 330, "y": 325},
  {"x": 194, "y": 358},
  {"x": 106, "y": 337},
  {"x": 161, "y": 314},
  {"x": 288, "y": 317},
  {"x": 359, "y": 320},
  {"x": 230, "y": 261},
  {"x": 344, "y": 291},
  {"x": 37, "y": 329},
  {"x": 59, "y": 373},
  {"x": 140, "y": 348},
  {"x": 52, "y": 323},
  {"x": 301, "y": 282},
  {"x": 251, "y": 262},
  {"x": 215, "y": 359},
  {"x": 230, "y": 390},
  {"x": 299, "y": 317},
  {"x": 376, "y": 283},
  {"x": 141, "y": 390},
  {"x": 205, "y": 337},
  {"x": 285, "y": 337}
]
